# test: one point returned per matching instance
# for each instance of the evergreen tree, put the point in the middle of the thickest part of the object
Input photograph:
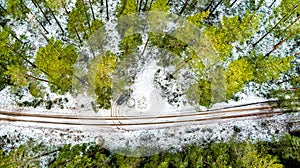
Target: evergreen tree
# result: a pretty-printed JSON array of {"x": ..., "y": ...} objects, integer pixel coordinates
[
  {"x": 80, "y": 25},
  {"x": 239, "y": 73},
  {"x": 128, "y": 7},
  {"x": 232, "y": 29},
  {"x": 57, "y": 59},
  {"x": 100, "y": 79}
]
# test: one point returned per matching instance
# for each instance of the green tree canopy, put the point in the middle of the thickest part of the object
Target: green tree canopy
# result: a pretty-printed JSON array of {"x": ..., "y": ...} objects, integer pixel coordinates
[{"x": 57, "y": 60}]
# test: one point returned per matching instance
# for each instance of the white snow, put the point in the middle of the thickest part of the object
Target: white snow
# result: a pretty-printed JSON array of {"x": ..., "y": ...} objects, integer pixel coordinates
[{"x": 147, "y": 95}]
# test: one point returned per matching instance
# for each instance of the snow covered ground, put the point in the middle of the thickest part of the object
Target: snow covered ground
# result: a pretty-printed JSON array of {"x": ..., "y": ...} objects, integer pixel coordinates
[{"x": 146, "y": 100}]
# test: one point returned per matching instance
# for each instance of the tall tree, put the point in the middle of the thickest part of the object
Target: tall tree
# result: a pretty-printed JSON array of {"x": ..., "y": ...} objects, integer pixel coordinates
[
  {"x": 232, "y": 29},
  {"x": 286, "y": 11},
  {"x": 57, "y": 59},
  {"x": 92, "y": 10},
  {"x": 37, "y": 5},
  {"x": 22, "y": 11},
  {"x": 16, "y": 68},
  {"x": 100, "y": 79},
  {"x": 127, "y": 7},
  {"x": 52, "y": 7}
]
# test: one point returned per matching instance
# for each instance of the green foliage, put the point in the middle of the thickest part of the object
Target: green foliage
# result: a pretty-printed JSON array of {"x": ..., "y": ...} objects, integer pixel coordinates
[
  {"x": 200, "y": 93},
  {"x": 16, "y": 9},
  {"x": 26, "y": 155},
  {"x": 17, "y": 75},
  {"x": 128, "y": 7},
  {"x": 167, "y": 42},
  {"x": 82, "y": 155},
  {"x": 77, "y": 21},
  {"x": 269, "y": 68},
  {"x": 160, "y": 6},
  {"x": 80, "y": 24},
  {"x": 96, "y": 25},
  {"x": 276, "y": 154},
  {"x": 130, "y": 43},
  {"x": 35, "y": 89},
  {"x": 57, "y": 60},
  {"x": 55, "y": 4},
  {"x": 288, "y": 98},
  {"x": 237, "y": 75},
  {"x": 125, "y": 161},
  {"x": 13, "y": 60},
  {"x": 230, "y": 30},
  {"x": 288, "y": 27},
  {"x": 100, "y": 78},
  {"x": 198, "y": 18},
  {"x": 288, "y": 150}
]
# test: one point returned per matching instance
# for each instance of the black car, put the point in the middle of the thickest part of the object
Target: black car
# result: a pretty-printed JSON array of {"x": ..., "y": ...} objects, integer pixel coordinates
[{"x": 124, "y": 97}]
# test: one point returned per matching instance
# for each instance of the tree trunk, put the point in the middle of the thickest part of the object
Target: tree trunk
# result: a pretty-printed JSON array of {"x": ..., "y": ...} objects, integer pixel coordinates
[
  {"x": 91, "y": 7},
  {"x": 257, "y": 8},
  {"x": 211, "y": 2},
  {"x": 277, "y": 46},
  {"x": 283, "y": 18},
  {"x": 284, "y": 40},
  {"x": 33, "y": 15},
  {"x": 36, "y": 78},
  {"x": 33, "y": 25},
  {"x": 184, "y": 6},
  {"x": 233, "y": 3},
  {"x": 3, "y": 8},
  {"x": 86, "y": 15},
  {"x": 59, "y": 25},
  {"x": 140, "y": 6},
  {"x": 182, "y": 64},
  {"x": 65, "y": 8},
  {"x": 150, "y": 4},
  {"x": 296, "y": 20},
  {"x": 13, "y": 34},
  {"x": 145, "y": 6},
  {"x": 101, "y": 2},
  {"x": 25, "y": 59},
  {"x": 212, "y": 11},
  {"x": 39, "y": 7},
  {"x": 107, "y": 14},
  {"x": 80, "y": 41},
  {"x": 272, "y": 4},
  {"x": 145, "y": 45},
  {"x": 259, "y": 5},
  {"x": 169, "y": 1}
]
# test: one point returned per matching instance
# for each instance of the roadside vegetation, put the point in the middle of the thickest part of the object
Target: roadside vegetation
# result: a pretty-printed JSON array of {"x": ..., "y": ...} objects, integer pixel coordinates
[{"x": 276, "y": 154}]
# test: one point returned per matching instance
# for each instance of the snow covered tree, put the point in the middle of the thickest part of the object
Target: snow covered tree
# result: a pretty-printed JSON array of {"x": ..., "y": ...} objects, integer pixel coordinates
[
  {"x": 16, "y": 68},
  {"x": 80, "y": 25},
  {"x": 18, "y": 9},
  {"x": 49, "y": 8}
]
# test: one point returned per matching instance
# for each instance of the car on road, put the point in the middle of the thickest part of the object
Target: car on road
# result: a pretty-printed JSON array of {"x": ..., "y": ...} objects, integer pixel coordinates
[{"x": 124, "y": 97}]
